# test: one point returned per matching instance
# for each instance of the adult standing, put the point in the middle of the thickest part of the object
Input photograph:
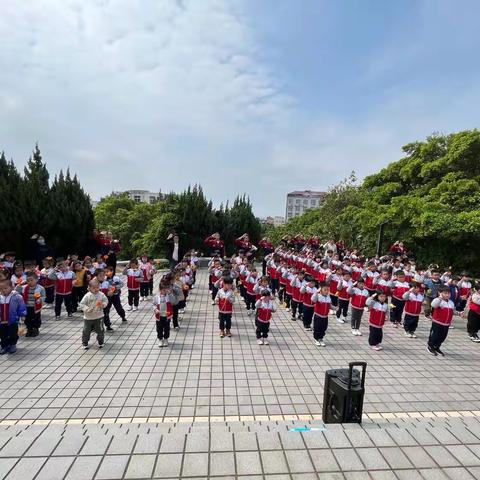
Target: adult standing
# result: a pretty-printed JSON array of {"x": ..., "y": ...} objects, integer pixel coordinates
[
  {"x": 267, "y": 246},
  {"x": 40, "y": 249},
  {"x": 175, "y": 252},
  {"x": 215, "y": 244},
  {"x": 330, "y": 245},
  {"x": 243, "y": 243}
]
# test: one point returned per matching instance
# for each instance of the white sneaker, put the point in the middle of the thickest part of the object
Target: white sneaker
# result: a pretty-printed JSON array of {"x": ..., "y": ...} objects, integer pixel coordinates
[
  {"x": 317, "y": 343},
  {"x": 181, "y": 312},
  {"x": 344, "y": 319},
  {"x": 359, "y": 333},
  {"x": 376, "y": 347},
  {"x": 339, "y": 320},
  {"x": 130, "y": 308},
  {"x": 265, "y": 342},
  {"x": 308, "y": 329},
  {"x": 142, "y": 299},
  {"x": 213, "y": 303},
  {"x": 332, "y": 312},
  {"x": 135, "y": 309},
  {"x": 322, "y": 343},
  {"x": 260, "y": 341},
  {"x": 165, "y": 342},
  {"x": 249, "y": 312},
  {"x": 354, "y": 332},
  {"x": 160, "y": 343},
  {"x": 407, "y": 335}
]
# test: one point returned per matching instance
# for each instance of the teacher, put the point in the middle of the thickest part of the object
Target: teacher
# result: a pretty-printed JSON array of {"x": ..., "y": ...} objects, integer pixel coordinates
[{"x": 175, "y": 250}]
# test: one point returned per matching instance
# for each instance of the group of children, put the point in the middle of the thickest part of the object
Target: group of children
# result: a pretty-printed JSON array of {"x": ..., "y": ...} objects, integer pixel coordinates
[{"x": 314, "y": 285}]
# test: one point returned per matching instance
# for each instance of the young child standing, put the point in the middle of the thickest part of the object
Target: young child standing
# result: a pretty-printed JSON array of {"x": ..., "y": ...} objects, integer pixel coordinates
[
  {"x": 225, "y": 299},
  {"x": 442, "y": 317},
  {"x": 343, "y": 297},
  {"x": 92, "y": 305},
  {"x": 322, "y": 302},
  {"x": 413, "y": 306},
  {"x": 378, "y": 313},
  {"x": 473, "y": 319},
  {"x": 115, "y": 286},
  {"x": 163, "y": 311},
  {"x": 265, "y": 307},
  {"x": 148, "y": 271},
  {"x": 134, "y": 277},
  {"x": 297, "y": 283},
  {"x": 250, "y": 283},
  {"x": 64, "y": 284},
  {"x": 358, "y": 294},
  {"x": 47, "y": 283},
  {"x": 12, "y": 308},
  {"x": 33, "y": 295},
  {"x": 80, "y": 283},
  {"x": 307, "y": 290},
  {"x": 464, "y": 290}
]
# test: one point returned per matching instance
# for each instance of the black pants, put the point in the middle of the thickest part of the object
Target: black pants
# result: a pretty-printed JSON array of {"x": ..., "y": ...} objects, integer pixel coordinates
[
  {"x": 175, "y": 309},
  {"x": 342, "y": 307},
  {"x": 370, "y": 292},
  {"x": 274, "y": 285},
  {"x": 173, "y": 263},
  {"x": 33, "y": 321},
  {"x": 320, "y": 325},
  {"x": 296, "y": 306},
  {"x": 133, "y": 297},
  {"x": 150, "y": 286},
  {"x": 117, "y": 304},
  {"x": 281, "y": 292},
  {"x": 357, "y": 314},
  {"x": 396, "y": 311},
  {"x": 50, "y": 294},
  {"x": 224, "y": 321},
  {"x": 376, "y": 336},
  {"x": 77, "y": 294},
  {"x": 410, "y": 323},
  {"x": 144, "y": 286},
  {"x": 163, "y": 328},
  {"x": 214, "y": 292},
  {"x": 251, "y": 299},
  {"x": 59, "y": 299},
  {"x": 8, "y": 334},
  {"x": 262, "y": 329},
  {"x": 264, "y": 267},
  {"x": 473, "y": 323},
  {"x": 288, "y": 299},
  {"x": 334, "y": 300},
  {"x": 438, "y": 334},
  {"x": 243, "y": 291},
  {"x": 307, "y": 316},
  {"x": 461, "y": 304}
]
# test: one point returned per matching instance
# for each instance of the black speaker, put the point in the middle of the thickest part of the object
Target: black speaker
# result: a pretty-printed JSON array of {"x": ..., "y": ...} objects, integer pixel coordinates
[{"x": 343, "y": 394}]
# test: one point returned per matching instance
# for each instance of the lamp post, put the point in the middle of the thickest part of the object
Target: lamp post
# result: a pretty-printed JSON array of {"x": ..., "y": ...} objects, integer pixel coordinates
[{"x": 380, "y": 237}]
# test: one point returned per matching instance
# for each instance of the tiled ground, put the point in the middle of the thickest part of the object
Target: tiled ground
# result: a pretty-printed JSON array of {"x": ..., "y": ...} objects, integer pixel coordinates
[{"x": 191, "y": 410}]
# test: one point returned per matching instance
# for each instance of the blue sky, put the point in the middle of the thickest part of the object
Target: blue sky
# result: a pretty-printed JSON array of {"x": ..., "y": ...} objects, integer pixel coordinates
[{"x": 257, "y": 97}]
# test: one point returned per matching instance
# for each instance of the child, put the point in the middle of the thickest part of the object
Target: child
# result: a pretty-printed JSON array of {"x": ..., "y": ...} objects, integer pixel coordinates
[
  {"x": 33, "y": 295},
  {"x": 378, "y": 312},
  {"x": 147, "y": 274},
  {"x": 134, "y": 277},
  {"x": 464, "y": 290},
  {"x": 307, "y": 290},
  {"x": 163, "y": 313},
  {"x": 225, "y": 299},
  {"x": 297, "y": 283},
  {"x": 371, "y": 276},
  {"x": 333, "y": 282},
  {"x": 108, "y": 291},
  {"x": 250, "y": 283},
  {"x": 47, "y": 283},
  {"x": 343, "y": 297},
  {"x": 322, "y": 301},
  {"x": 442, "y": 316},
  {"x": 432, "y": 285},
  {"x": 64, "y": 283},
  {"x": 115, "y": 287},
  {"x": 92, "y": 305},
  {"x": 473, "y": 319},
  {"x": 12, "y": 308},
  {"x": 18, "y": 277},
  {"x": 399, "y": 287},
  {"x": 79, "y": 288},
  {"x": 413, "y": 306},
  {"x": 262, "y": 285},
  {"x": 215, "y": 274},
  {"x": 359, "y": 295},
  {"x": 265, "y": 307}
]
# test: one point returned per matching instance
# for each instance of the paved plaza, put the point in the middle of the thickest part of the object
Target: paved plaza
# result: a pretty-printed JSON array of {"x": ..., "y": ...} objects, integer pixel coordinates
[{"x": 207, "y": 407}]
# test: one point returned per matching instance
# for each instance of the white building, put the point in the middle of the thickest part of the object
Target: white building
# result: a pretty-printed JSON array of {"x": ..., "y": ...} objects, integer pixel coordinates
[
  {"x": 275, "y": 221},
  {"x": 144, "y": 196},
  {"x": 298, "y": 202}
]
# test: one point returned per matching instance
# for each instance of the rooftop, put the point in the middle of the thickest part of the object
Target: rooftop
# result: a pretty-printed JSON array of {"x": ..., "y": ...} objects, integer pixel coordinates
[{"x": 307, "y": 193}]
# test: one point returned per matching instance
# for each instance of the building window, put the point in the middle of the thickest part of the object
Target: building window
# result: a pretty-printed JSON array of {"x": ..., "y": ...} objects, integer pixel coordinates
[
  {"x": 153, "y": 199},
  {"x": 136, "y": 198},
  {"x": 305, "y": 202},
  {"x": 313, "y": 202},
  {"x": 297, "y": 201}
]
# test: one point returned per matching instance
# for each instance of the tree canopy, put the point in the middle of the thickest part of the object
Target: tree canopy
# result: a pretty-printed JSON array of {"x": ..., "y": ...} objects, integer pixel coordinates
[
  {"x": 430, "y": 199},
  {"x": 143, "y": 227}
]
